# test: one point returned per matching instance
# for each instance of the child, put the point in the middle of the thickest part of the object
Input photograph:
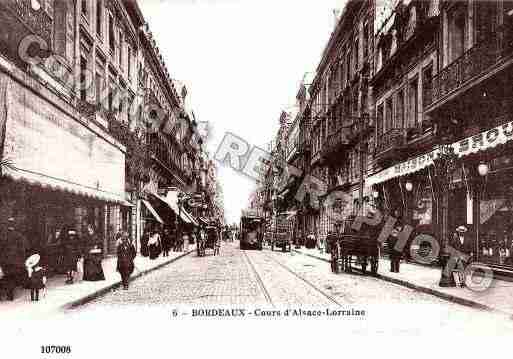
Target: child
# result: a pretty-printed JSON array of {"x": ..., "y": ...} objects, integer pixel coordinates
[{"x": 36, "y": 276}]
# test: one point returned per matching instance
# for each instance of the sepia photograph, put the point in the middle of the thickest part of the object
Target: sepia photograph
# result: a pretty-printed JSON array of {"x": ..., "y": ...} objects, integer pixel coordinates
[{"x": 238, "y": 177}]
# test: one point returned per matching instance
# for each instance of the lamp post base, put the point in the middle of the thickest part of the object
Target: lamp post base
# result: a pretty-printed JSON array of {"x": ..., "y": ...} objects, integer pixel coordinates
[{"x": 447, "y": 281}]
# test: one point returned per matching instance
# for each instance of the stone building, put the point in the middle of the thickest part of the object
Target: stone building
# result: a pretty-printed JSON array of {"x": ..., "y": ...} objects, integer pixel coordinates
[{"x": 91, "y": 122}]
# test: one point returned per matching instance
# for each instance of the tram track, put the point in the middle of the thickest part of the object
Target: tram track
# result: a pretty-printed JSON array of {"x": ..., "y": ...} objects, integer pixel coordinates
[
  {"x": 304, "y": 280},
  {"x": 259, "y": 280}
]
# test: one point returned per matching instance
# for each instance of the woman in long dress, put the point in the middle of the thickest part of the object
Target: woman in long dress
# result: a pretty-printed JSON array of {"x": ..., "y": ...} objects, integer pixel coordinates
[
  {"x": 71, "y": 254},
  {"x": 93, "y": 270},
  {"x": 154, "y": 245}
]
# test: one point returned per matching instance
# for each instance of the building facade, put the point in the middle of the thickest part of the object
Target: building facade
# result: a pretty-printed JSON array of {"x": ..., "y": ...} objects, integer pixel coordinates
[{"x": 92, "y": 122}]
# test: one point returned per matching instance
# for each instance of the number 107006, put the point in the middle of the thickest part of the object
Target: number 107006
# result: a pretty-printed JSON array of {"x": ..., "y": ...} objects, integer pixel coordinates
[{"x": 55, "y": 349}]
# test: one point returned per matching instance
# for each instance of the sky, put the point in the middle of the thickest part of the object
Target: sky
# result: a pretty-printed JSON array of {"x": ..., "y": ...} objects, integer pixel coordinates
[{"x": 242, "y": 62}]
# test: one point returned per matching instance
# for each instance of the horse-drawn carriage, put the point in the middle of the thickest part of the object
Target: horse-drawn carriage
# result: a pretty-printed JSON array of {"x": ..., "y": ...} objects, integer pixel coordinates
[
  {"x": 212, "y": 241},
  {"x": 351, "y": 248}
]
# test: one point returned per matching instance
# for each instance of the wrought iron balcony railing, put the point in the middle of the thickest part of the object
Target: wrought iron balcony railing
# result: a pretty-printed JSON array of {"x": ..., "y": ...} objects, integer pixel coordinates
[
  {"x": 37, "y": 21},
  {"x": 473, "y": 63},
  {"x": 390, "y": 140},
  {"x": 336, "y": 141}
]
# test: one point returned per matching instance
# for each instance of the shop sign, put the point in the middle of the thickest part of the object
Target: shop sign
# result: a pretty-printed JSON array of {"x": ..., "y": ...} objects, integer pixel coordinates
[
  {"x": 480, "y": 142},
  {"x": 49, "y": 147}
]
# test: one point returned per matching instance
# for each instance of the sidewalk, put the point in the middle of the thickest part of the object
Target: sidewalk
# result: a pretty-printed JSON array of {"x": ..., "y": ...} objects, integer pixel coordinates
[
  {"x": 61, "y": 296},
  {"x": 499, "y": 297}
]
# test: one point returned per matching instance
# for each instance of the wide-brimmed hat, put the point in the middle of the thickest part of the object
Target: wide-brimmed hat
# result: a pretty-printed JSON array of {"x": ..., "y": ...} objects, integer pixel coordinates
[
  {"x": 32, "y": 260},
  {"x": 461, "y": 229}
]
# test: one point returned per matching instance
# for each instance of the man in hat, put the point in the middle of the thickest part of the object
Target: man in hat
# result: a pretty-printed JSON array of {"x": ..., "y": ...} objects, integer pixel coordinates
[
  {"x": 463, "y": 243},
  {"x": 12, "y": 258}
]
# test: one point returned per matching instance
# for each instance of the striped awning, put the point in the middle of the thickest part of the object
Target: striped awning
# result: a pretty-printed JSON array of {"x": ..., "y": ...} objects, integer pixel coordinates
[
  {"x": 152, "y": 211},
  {"x": 56, "y": 184}
]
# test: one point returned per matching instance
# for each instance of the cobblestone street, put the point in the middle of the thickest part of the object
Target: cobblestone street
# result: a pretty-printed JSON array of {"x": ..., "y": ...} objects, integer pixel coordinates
[{"x": 288, "y": 280}]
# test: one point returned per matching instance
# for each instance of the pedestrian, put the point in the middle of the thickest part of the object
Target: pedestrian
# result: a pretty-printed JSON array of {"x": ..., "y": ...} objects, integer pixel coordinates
[
  {"x": 126, "y": 255},
  {"x": 154, "y": 244},
  {"x": 71, "y": 254},
  {"x": 36, "y": 276},
  {"x": 186, "y": 241},
  {"x": 166, "y": 242},
  {"x": 12, "y": 258},
  {"x": 144, "y": 241},
  {"x": 462, "y": 242},
  {"x": 93, "y": 255},
  {"x": 394, "y": 252}
]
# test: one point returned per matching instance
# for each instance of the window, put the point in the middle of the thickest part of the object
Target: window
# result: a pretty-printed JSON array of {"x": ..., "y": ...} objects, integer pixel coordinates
[
  {"x": 83, "y": 72},
  {"x": 348, "y": 66},
  {"x": 413, "y": 101},
  {"x": 427, "y": 84},
  {"x": 129, "y": 61},
  {"x": 120, "y": 49},
  {"x": 355, "y": 55},
  {"x": 59, "y": 23},
  {"x": 365, "y": 44},
  {"x": 84, "y": 7},
  {"x": 457, "y": 33},
  {"x": 399, "y": 118},
  {"x": 389, "y": 115},
  {"x": 111, "y": 99},
  {"x": 98, "y": 87},
  {"x": 99, "y": 13},
  {"x": 111, "y": 34},
  {"x": 379, "y": 121}
]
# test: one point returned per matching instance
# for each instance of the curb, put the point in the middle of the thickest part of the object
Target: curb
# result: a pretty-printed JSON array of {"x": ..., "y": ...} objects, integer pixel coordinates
[
  {"x": 436, "y": 293},
  {"x": 102, "y": 291}
]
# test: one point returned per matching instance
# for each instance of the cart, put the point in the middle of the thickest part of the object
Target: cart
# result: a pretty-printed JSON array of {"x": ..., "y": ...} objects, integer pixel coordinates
[
  {"x": 350, "y": 248},
  {"x": 212, "y": 241}
]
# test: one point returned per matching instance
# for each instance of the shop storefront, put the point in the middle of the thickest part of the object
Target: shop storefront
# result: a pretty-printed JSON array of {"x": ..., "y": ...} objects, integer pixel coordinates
[
  {"x": 63, "y": 174},
  {"x": 480, "y": 194}
]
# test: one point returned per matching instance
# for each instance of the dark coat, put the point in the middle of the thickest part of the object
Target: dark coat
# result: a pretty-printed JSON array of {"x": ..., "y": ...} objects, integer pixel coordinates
[
  {"x": 391, "y": 242},
  {"x": 72, "y": 249},
  {"x": 468, "y": 245},
  {"x": 126, "y": 254},
  {"x": 14, "y": 250},
  {"x": 36, "y": 279}
]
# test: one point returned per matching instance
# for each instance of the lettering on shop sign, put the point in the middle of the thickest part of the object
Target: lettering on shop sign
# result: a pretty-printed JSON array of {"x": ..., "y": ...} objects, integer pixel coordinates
[{"x": 482, "y": 141}]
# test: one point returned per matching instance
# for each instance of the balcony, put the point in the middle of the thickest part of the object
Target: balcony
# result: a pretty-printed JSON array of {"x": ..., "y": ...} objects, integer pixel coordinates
[
  {"x": 336, "y": 143},
  {"x": 360, "y": 131},
  {"x": 389, "y": 145},
  {"x": 464, "y": 71},
  {"x": 96, "y": 113}
]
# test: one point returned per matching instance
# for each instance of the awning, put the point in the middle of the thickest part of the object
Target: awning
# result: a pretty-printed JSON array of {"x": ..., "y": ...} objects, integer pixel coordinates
[
  {"x": 172, "y": 202},
  {"x": 56, "y": 184},
  {"x": 152, "y": 211},
  {"x": 481, "y": 142},
  {"x": 191, "y": 217}
]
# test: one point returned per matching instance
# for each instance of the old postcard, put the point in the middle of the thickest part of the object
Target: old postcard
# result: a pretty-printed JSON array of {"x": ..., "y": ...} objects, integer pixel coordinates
[{"x": 309, "y": 178}]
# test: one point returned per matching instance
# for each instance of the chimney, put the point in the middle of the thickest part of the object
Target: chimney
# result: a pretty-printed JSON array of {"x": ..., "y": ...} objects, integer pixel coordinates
[{"x": 336, "y": 16}]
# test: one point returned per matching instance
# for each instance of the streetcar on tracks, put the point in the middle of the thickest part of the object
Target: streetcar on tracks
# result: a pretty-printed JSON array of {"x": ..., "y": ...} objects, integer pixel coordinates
[{"x": 251, "y": 231}]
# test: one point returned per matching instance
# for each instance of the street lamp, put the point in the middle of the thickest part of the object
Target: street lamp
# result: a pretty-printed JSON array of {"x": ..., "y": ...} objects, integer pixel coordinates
[
  {"x": 409, "y": 186},
  {"x": 483, "y": 169},
  {"x": 444, "y": 164}
]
